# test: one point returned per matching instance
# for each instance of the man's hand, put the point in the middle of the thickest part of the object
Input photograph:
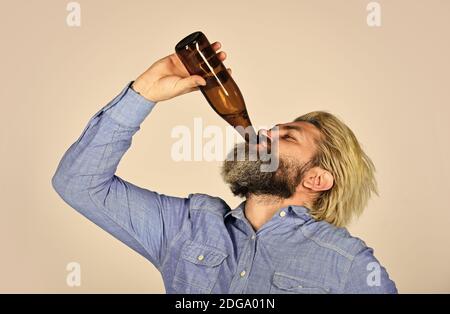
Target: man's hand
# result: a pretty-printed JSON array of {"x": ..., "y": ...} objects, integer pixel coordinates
[{"x": 168, "y": 78}]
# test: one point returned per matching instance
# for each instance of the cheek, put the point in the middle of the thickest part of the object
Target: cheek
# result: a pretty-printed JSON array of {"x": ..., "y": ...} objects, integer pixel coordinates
[{"x": 293, "y": 151}]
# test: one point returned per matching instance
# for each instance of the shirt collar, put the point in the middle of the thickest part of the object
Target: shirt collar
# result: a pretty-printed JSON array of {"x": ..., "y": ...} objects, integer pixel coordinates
[
  {"x": 300, "y": 211},
  {"x": 237, "y": 212}
]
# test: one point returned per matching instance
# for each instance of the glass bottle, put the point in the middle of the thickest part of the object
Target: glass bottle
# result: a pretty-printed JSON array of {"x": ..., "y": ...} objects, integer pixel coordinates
[{"x": 221, "y": 91}]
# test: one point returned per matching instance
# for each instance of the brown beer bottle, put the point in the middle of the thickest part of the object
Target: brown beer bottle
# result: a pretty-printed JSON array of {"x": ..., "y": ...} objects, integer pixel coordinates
[{"x": 221, "y": 91}]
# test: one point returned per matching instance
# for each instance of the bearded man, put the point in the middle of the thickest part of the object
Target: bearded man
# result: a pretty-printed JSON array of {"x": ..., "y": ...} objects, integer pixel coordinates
[{"x": 287, "y": 236}]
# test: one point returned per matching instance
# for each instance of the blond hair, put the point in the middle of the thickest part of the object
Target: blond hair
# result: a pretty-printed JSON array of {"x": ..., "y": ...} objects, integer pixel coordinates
[{"x": 340, "y": 153}]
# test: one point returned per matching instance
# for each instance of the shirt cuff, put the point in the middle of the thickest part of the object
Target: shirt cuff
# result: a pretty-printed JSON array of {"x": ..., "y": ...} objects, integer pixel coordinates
[{"x": 129, "y": 108}]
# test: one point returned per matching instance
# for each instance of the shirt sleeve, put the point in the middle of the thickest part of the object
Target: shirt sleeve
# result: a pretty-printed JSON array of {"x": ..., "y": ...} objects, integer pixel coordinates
[
  {"x": 367, "y": 276},
  {"x": 85, "y": 179}
]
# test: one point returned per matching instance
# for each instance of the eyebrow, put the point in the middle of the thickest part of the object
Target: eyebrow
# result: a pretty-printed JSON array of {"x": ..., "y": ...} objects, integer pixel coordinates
[{"x": 289, "y": 127}]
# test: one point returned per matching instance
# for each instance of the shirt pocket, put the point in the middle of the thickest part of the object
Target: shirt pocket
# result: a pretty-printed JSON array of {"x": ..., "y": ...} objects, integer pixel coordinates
[
  {"x": 283, "y": 283},
  {"x": 197, "y": 269}
]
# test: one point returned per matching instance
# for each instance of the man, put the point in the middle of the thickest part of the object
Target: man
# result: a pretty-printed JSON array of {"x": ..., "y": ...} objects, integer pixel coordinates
[{"x": 287, "y": 237}]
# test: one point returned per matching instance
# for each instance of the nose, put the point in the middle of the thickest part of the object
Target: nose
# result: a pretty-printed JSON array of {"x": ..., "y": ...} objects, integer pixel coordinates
[
  {"x": 274, "y": 132},
  {"x": 264, "y": 132}
]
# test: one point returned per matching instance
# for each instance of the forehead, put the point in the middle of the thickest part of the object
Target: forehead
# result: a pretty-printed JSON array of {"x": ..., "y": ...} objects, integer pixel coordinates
[{"x": 307, "y": 129}]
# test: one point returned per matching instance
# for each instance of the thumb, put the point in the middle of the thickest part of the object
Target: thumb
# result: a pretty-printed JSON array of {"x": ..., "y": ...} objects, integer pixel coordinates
[{"x": 187, "y": 84}]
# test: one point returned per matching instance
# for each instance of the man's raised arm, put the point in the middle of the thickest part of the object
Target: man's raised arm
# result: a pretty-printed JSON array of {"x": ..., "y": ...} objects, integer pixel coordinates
[{"x": 85, "y": 178}]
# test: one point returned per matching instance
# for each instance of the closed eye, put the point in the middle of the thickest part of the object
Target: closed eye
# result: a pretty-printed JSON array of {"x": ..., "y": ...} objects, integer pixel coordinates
[{"x": 289, "y": 138}]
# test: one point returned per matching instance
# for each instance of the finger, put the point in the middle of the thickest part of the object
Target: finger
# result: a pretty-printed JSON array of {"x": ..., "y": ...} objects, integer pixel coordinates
[
  {"x": 222, "y": 55},
  {"x": 199, "y": 81},
  {"x": 185, "y": 85},
  {"x": 193, "y": 89},
  {"x": 216, "y": 46}
]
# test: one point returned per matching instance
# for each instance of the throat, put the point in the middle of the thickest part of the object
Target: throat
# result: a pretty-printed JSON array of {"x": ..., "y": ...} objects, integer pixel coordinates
[{"x": 259, "y": 209}]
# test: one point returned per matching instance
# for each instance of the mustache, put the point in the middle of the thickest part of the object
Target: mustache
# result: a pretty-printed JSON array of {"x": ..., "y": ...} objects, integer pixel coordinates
[{"x": 249, "y": 151}]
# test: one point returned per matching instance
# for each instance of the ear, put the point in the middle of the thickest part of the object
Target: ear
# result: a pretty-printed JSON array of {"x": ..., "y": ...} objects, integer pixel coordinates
[{"x": 318, "y": 179}]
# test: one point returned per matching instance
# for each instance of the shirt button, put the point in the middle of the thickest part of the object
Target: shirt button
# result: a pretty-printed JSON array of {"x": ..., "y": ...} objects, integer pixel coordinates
[
  {"x": 200, "y": 257},
  {"x": 253, "y": 237},
  {"x": 242, "y": 274},
  {"x": 282, "y": 213}
]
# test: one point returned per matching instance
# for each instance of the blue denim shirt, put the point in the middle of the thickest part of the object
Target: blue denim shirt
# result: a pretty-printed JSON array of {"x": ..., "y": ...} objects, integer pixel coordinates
[{"x": 198, "y": 243}]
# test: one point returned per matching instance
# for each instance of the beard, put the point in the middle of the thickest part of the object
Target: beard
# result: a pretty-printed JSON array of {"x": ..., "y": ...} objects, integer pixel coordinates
[{"x": 245, "y": 176}]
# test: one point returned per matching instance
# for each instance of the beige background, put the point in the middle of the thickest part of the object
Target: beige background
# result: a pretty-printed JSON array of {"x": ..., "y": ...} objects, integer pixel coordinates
[{"x": 390, "y": 84}]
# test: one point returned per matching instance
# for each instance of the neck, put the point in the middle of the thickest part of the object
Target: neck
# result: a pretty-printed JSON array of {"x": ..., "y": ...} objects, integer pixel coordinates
[{"x": 259, "y": 209}]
